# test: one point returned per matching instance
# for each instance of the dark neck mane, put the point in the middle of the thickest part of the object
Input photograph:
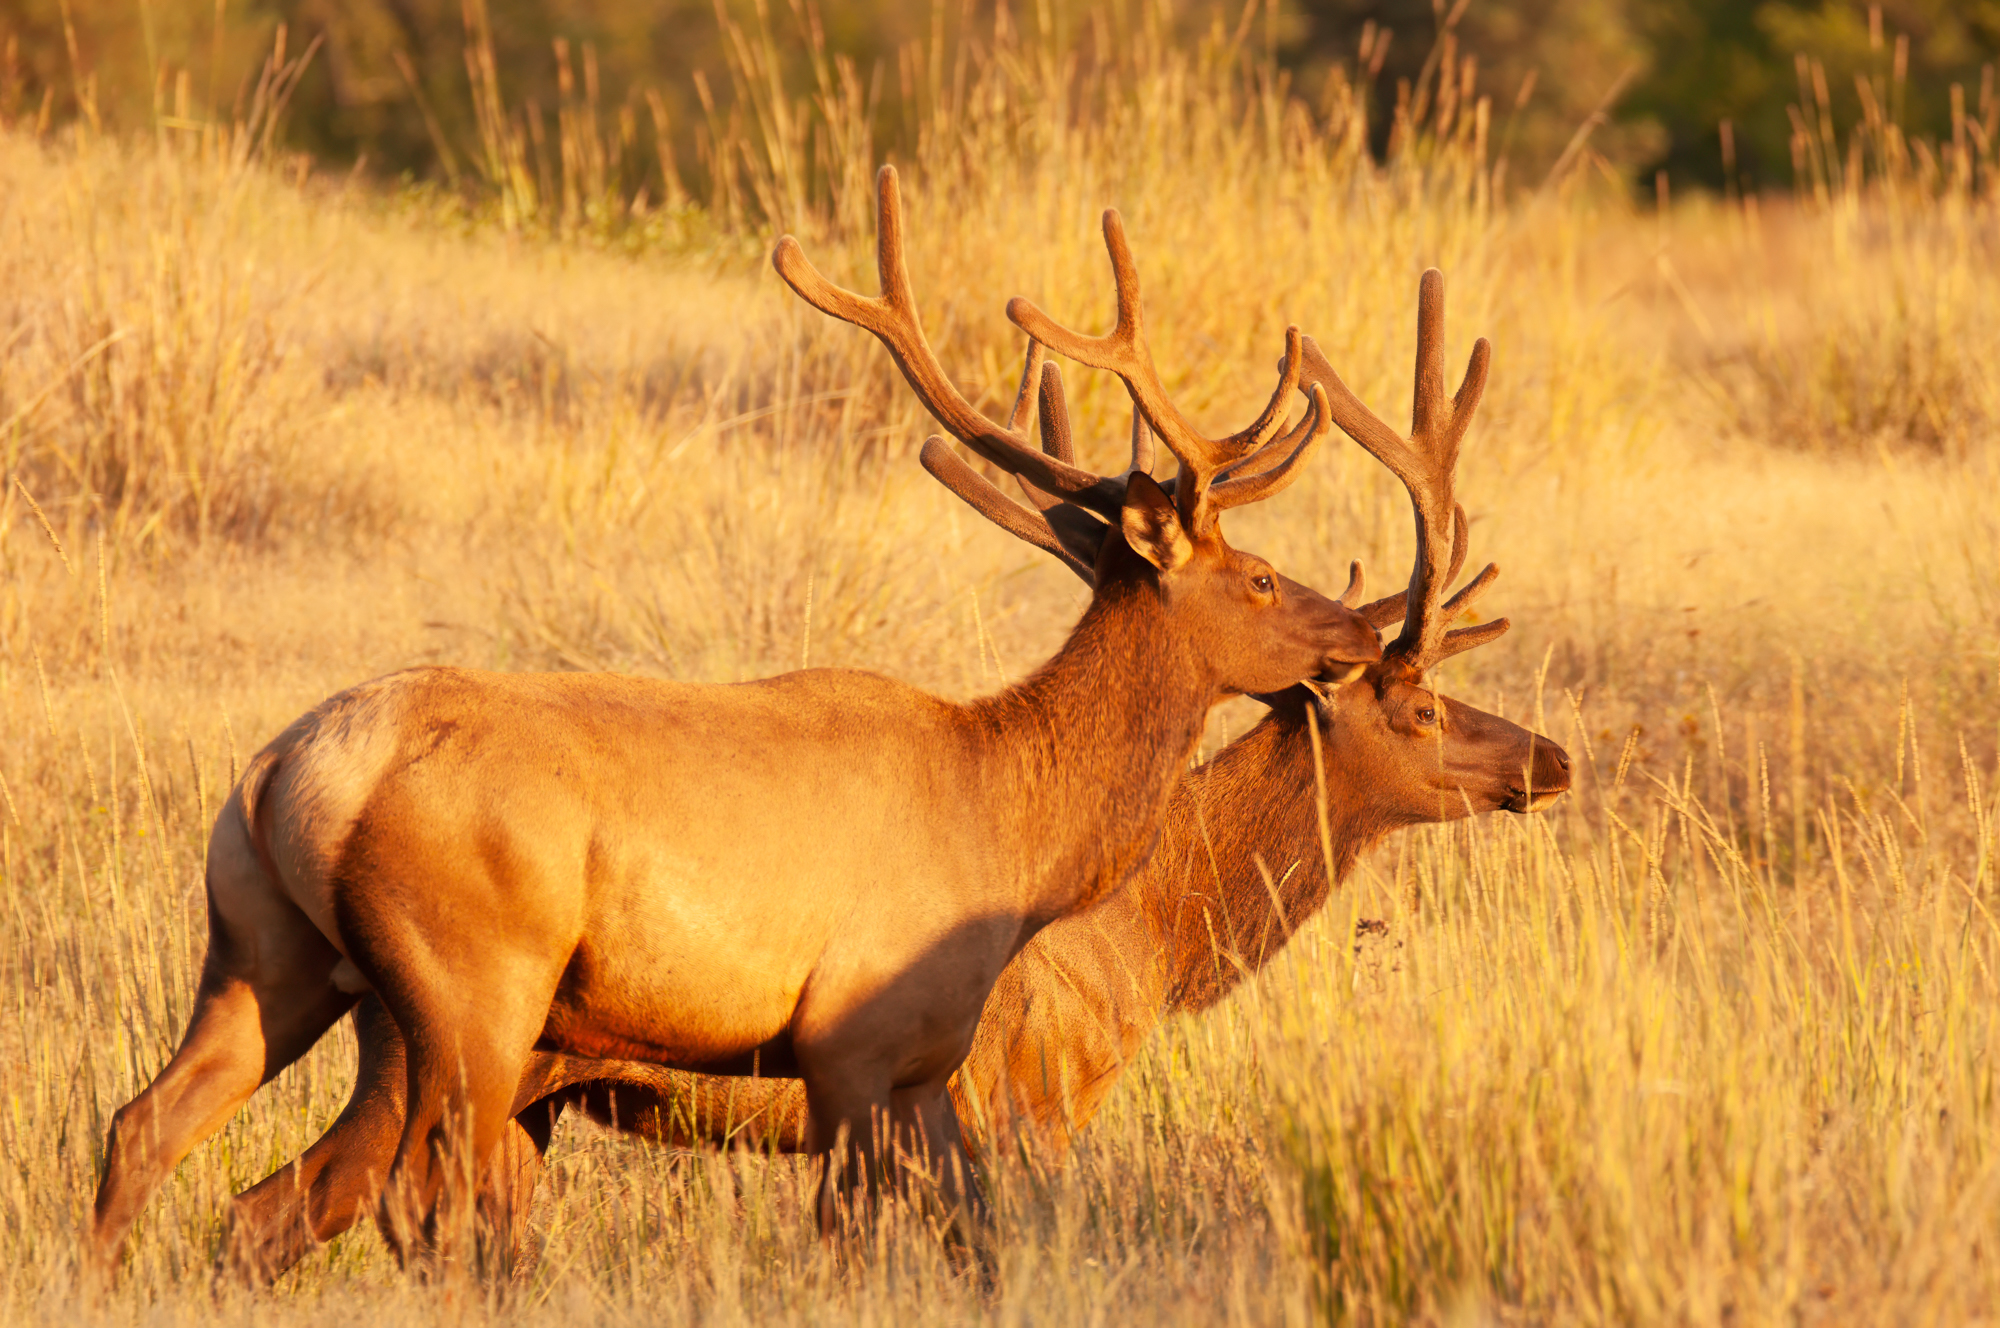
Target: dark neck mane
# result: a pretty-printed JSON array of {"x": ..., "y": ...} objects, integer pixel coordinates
[{"x": 1086, "y": 752}]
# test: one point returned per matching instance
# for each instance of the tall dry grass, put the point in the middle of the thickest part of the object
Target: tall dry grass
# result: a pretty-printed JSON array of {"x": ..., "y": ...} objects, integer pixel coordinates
[{"x": 1711, "y": 1041}]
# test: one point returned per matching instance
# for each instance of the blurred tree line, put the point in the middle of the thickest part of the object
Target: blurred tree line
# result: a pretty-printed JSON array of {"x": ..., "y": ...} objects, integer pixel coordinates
[
  {"x": 1653, "y": 81},
  {"x": 1675, "y": 70}
]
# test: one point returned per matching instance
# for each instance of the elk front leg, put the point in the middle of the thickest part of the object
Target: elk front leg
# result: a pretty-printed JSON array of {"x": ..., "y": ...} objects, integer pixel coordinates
[
  {"x": 846, "y": 1111},
  {"x": 931, "y": 1154}
]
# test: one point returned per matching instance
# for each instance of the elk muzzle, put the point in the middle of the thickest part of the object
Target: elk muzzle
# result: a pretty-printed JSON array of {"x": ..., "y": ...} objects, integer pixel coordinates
[
  {"x": 1346, "y": 639},
  {"x": 1546, "y": 777}
]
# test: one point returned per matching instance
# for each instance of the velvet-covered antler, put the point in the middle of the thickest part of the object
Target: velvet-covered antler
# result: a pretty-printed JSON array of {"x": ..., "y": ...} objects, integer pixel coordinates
[
  {"x": 1426, "y": 463},
  {"x": 892, "y": 317},
  {"x": 1216, "y": 473}
]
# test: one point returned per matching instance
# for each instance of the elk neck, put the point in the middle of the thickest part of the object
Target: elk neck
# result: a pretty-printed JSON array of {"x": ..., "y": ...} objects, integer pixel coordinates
[
  {"x": 1238, "y": 870},
  {"x": 1241, "y": 866},
  {"x": 1080, "y": 759}
]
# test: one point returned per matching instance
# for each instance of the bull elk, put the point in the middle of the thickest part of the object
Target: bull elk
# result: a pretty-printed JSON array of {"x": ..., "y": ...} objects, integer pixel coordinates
[
  {"x": 821, "y": 873},
  {"x": 1239, "y": 868}
]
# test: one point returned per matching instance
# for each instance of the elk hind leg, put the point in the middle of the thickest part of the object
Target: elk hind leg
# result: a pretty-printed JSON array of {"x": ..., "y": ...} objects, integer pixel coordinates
[
  {"x": 266, "y": 996},
  {"x": 278, "y": 1221},
  {"x": 508, "y": 1247},
  {"x": 284, "y": 1217}
]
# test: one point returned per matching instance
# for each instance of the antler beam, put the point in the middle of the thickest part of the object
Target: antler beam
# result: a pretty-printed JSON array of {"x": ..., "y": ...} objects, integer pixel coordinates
[
  {"x": 1427, "y": 464},
  {"x": 893, "y": 318}
]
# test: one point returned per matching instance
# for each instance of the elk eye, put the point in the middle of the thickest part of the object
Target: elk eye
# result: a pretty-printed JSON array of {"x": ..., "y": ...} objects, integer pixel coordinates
[
  {"x": 1261, "y": 584},
  {"x": 1427, "y": 715}
]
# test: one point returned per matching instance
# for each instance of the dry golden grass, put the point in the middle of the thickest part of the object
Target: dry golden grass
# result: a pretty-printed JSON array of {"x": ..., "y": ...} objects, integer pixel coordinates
[{"x": 1712, "y": 1041}]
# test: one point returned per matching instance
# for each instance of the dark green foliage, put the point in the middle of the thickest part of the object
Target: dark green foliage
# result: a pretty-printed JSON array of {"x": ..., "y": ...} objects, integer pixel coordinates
[
  {"x": 1693, "y": 64},
  {"x": 389, "y": 82},
  {"x": 1566, "y": 56},
  {"x": 1718, "y": 60}
]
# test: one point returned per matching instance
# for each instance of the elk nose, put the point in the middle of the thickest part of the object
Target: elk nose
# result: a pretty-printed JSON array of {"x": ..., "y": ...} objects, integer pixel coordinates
[
  {"x": 1351, "y": 639},
  {"x": 1551, "y": 766}
]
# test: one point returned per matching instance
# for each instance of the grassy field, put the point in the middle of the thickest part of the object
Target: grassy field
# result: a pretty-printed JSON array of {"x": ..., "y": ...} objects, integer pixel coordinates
[{"x": 1714, "y": 1040}]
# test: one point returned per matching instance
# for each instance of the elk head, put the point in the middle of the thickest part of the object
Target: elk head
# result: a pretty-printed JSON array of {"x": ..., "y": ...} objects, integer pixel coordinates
[
  {"x": 1126, "y": 534},
  {"x": 1414, "y": 754}
]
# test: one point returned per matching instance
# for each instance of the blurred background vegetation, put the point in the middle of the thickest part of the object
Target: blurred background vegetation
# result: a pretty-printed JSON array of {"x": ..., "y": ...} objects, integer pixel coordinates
[{"x": 1715, "y": 93}]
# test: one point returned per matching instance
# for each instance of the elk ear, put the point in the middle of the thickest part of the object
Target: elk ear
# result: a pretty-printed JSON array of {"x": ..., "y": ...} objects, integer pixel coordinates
[{"x": 1151, "y": 525}]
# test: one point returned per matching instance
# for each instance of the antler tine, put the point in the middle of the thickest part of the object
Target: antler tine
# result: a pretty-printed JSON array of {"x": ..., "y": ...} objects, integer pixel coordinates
[
  {"x": 1055, "y": 415},
  {"x": 1472, "y": 591},
  {"x": 1055, "y": 425},
  {"x": 1142, "y": 446},
  {"x": 1355, "y": 580},
  {"x": 1024, "y": 396},
  {"x": 1125, "y": 352},
  {"x": 892, "y": 318},
  {"x": 1021, "y": 522},
  {"x": 1458, "y": 639},
  {"x": 1266, "y": 426},
  {"x": 1437, "y": 428},
  {"x": 1066, "y": 529},
  {"x": 1257, "y": 482},
  {"x": 1081, "y": 532},
  {"x": 1466, "y": 638},
  {"x": 1430, "y": 421},
  {"x": 1427, "y": 411},
  {"x": 1358, "y": 422}
]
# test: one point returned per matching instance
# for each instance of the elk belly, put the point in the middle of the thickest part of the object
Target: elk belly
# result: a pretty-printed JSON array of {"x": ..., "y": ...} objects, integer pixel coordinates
[
  {"x": 673, "y": 1005},
  {"x": 685, "y": 958}
]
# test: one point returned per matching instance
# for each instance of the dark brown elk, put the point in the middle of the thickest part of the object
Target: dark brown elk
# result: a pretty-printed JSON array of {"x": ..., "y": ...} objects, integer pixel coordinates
[
  {"x": 822, "y": 873},
  {"x": 1239, "y": 868}
]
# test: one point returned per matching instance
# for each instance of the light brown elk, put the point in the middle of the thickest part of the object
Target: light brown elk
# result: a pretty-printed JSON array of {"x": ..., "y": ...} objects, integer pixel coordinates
[
  {"x": 821, "y": 873},
  {"x": 1239, "y": 868}
]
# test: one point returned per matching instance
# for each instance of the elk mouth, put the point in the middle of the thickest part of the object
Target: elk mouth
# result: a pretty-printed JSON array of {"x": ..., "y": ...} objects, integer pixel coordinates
[
  {"x": 1523, "y": 801},
  {"x": 1333, "y": 673}
]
